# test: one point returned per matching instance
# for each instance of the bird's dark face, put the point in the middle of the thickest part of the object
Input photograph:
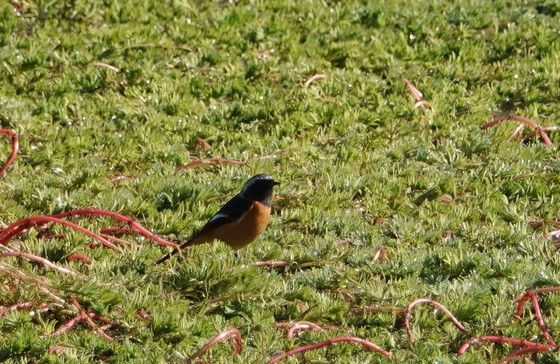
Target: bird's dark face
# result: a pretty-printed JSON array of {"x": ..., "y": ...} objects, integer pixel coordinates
[{"x": 259, "y": 188}]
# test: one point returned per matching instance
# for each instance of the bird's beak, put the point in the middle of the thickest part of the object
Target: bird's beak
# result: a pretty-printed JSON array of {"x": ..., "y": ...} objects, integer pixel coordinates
[{"x": 275, "y": 183}]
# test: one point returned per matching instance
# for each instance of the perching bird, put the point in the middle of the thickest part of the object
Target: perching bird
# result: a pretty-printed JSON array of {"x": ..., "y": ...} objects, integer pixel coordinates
[{"x": 241, "y": 220}]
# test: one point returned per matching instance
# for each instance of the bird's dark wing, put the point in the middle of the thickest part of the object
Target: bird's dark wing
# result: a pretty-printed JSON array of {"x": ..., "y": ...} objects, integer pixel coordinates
[{"x": 232, "y": 211}]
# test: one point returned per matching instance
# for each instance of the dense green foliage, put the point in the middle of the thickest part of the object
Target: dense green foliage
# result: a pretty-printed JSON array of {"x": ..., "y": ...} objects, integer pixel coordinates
[{"x": 97, "y": 90}]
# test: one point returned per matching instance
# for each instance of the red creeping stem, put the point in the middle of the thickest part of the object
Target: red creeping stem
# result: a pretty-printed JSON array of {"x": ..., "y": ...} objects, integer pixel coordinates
[
  {"x": 516, "y": 354},
  {"x": 68, "y": 325},
  {"x": 85, "y": 316},
  {"x": 15, "y": 146},
  {"x": 116, "y": 240},
  {"x": 136, "y": 226},
  {"x": 74, "y": 320},
  {"x": 546, "y": 140},
  {"x": 302, "y": 325},
  {"x": 20, "y": 226},
  {"x": 211, "y": 161},
  {"x": 540, "y": 321},
  {"x": 501, "y": 339},
  {"x": 301, "y": 349},
  {"x": 219, "y": 337},
  {"x": 117, "y": 231},
  {"x": 529, "y": 346},
  {"x": 408, "y": 312},
  {"x": 79, "y": 256}
]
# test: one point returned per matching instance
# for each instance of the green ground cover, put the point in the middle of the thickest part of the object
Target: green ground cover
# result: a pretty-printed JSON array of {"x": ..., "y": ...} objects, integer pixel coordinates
[{"x": 97, "y": 90}]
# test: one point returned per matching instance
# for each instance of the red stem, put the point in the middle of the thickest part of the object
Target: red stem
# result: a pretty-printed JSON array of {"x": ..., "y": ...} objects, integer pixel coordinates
[
  {"x": 114, "y": 239},
  {"x": 516, "y": 354},
  {"x": 117, "y": 216},
  {"x": 118, "y": 231},
  {"x": 85, "y": 316},
  {"x": 531, "y": 123},
  {"x": 302, "y": 325},
  {"x": 219, "y": 337},
  {"x": 408, "y": 312},
  {"x": 20, "y": 226},
  {"x": 15, "y": 146},
  {"x": 68, "y": 325},
  {"x": 536, "y": 306},
  {"x": 540, "y": 320},
  {"x": 500, "y": 339},
  {"x": 301, "y": 349},
  {"x": 524, "y": 298},
  {"x": 79, "y": 256}
]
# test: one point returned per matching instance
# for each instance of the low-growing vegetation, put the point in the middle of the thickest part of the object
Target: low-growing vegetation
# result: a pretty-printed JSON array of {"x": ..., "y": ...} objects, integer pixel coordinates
[{"x": 417, "y": 148}]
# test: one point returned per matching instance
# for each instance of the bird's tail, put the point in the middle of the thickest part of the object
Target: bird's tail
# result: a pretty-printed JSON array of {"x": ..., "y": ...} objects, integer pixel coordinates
[{"x": 173, "y": 252}]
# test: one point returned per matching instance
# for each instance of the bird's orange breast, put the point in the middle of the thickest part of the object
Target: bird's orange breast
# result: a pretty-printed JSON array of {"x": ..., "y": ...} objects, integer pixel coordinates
[{"x": 245, "y": 230}]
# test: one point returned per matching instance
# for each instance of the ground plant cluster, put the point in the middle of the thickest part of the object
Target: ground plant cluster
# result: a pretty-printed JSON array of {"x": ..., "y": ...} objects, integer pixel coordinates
[{"x": 416, "y": 143}]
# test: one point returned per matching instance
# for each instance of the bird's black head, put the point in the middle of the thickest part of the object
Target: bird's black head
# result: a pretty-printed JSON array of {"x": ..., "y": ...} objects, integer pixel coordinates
[{"x": 259, "y": 188}]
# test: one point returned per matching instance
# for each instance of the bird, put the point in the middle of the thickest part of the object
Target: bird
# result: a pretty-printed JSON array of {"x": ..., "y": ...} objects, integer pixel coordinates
[{"x": 241, "y": 220}]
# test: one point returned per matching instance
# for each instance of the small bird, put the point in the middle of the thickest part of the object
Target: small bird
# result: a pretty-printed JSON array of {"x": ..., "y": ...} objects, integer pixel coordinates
[{"x": 241, "y": 220}]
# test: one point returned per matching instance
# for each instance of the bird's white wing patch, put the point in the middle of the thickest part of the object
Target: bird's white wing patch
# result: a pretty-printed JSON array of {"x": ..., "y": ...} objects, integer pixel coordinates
[{"x": 218, "y": 216}]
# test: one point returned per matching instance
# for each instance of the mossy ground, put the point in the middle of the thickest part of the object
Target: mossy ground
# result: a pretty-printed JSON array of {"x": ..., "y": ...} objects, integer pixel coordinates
[{"x": 97, "y": 90}]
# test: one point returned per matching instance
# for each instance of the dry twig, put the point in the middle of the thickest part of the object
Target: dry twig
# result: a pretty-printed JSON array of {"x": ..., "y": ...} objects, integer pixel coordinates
[{"x": 208, "y": 161}]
